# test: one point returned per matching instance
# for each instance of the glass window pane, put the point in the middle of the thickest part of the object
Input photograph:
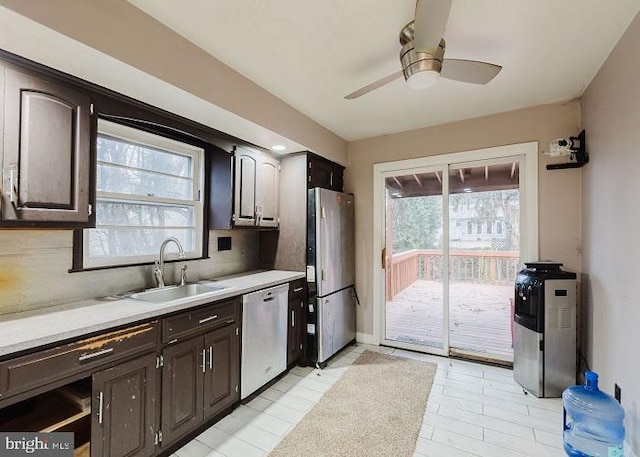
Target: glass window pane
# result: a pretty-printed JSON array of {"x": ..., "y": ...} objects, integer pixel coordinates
[
  {"x": 129, "y": 154},
  {"x": 127, "y": 242},
  {"x": 483, "y": 266},
  {"x": 414, "y": 268},
  {"x": 139, "y": 177},
  {"x": 142, "y": 214},
  {"x": 137, "y": 182}
]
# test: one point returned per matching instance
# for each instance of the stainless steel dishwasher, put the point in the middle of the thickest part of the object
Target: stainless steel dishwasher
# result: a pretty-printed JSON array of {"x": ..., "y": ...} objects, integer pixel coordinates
[{"x": 264, "y": 337}]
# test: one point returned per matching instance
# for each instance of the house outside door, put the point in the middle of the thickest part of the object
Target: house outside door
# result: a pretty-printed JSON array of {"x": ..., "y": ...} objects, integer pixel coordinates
[{"x": 452, "y": 231}]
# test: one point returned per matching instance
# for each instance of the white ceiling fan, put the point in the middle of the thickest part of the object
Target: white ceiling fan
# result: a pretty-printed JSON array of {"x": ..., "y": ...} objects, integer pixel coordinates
[{"x": 422, "y": 53}]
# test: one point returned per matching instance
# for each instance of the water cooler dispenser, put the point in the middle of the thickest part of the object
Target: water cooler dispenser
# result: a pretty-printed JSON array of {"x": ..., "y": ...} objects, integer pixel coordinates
[{"x": 544, "y": 354}]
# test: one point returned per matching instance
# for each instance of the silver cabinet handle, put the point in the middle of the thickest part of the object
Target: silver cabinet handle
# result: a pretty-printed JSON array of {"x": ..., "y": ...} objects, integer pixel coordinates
[
  {"x": 298, "y": 289},
  {"x": 84, "y": 357},
  {"x": 204, "y": 360},
  {"x": 293, "y": 318},
  {"x": 211, "y": 357},
  {"x": 100, "y": 402},
  {"x": 207, "y": 319}
]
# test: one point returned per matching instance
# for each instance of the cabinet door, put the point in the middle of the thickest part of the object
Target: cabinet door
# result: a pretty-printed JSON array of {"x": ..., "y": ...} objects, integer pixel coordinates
[
  {"x": 221, "y": 196},
  {"x": 182, "y": 388},
  {"x": 292, "y": 330},
  {"x": 246, "y": 169},
  {"x": 268, "y": 191},
  {"x": 301, "y": 323},
  {"x": 47, "y": 157},
  {"x": 297, "y": 321},
  {"x": 123, "y": 402},
  {"x": 324, "y": 173},
  {"x": 223, "y": 366}
]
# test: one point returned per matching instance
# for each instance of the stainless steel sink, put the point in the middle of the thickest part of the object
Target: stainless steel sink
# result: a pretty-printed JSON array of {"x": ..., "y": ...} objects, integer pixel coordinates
[{"x": 170, "y": 293}]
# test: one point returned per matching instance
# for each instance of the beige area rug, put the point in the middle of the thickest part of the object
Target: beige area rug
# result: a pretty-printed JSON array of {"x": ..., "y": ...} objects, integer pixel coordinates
[{"x": 374, "y": 409}]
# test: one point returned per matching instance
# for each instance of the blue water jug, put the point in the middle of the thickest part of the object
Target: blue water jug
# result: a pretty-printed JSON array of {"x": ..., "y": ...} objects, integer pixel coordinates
[{"x": 593, "y": 421}]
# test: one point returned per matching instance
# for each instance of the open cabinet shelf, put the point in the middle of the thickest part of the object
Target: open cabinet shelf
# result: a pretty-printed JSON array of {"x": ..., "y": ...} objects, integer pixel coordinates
[{"x": 67, "y": 409}]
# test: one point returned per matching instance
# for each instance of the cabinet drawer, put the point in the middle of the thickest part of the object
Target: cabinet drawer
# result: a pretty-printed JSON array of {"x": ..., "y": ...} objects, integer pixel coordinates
[
  {"x": 296, "y": 288},
  {"x": 33, "y": 370},
  {"x": 199, "y": 319}
]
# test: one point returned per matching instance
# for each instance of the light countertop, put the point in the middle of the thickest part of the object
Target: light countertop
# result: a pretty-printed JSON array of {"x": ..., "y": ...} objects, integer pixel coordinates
[{"x": 28, "y": 330}]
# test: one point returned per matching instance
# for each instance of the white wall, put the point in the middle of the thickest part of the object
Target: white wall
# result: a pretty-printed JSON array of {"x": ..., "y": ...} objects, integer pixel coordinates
[
  {"x": 611, "y": 219},
  {"x": 107, "y": 40},
  {"x": 558, "y": 191}
]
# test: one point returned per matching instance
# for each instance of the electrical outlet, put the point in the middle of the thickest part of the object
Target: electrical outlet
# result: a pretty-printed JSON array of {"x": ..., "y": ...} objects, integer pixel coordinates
[
  {"x": 617, "y": 392},
  {"x": 224, "y": 243}
]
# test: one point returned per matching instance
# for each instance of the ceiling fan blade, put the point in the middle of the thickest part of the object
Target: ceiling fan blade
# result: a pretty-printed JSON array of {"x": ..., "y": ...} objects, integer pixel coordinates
[
  {"x": 430, "y": 20},
  {"x": 469, "y": 71},
  {"x": 373, "y": 86}
]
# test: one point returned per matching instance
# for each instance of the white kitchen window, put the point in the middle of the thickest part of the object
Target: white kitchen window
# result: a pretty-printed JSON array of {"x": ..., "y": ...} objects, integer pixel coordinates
[{"x": 148, "y": 188}]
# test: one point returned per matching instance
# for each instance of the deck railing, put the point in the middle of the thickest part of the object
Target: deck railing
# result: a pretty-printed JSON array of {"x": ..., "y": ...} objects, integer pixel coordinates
[{"x": 488, "y": 267}]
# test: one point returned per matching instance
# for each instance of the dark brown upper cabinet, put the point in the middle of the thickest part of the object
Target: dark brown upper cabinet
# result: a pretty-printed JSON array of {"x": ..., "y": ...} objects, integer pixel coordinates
[
  {"x": 324, "y": 173},
  {"x": 244, "y": 189},
  {"x": 46, "y": 152},
  {"x": 256, "y": 189}
]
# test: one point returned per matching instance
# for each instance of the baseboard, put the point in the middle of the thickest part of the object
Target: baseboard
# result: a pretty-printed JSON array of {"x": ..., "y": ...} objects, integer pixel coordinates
[{"x": 366, "y": 338}]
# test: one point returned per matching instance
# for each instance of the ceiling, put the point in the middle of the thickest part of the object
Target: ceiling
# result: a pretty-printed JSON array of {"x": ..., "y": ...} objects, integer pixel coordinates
[{"x": 312, "y": 53}]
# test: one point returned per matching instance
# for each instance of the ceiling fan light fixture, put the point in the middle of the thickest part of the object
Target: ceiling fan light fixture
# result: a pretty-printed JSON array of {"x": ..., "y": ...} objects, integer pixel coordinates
[
  {"x": 422, "y": 54},
  {"x": 423, "y": 80},
  {"x": 421, "y": 70}
]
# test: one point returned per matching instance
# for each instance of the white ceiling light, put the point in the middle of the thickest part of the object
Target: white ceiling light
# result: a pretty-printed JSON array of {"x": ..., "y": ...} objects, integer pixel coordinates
[
  {"x": 279, "y": 147},
  {"x": 423, "y": 79}
]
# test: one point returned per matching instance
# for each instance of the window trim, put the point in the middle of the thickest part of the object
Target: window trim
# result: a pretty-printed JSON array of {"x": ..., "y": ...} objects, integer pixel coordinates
[{"x": 184, "y": 146}]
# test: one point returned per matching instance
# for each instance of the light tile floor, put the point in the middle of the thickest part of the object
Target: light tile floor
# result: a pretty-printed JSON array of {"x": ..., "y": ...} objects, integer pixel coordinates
[{"x": 473, "y": 410}]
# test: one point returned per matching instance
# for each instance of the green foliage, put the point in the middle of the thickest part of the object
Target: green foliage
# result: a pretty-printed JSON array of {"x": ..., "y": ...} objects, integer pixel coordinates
[{"x": 417, "y": 223}]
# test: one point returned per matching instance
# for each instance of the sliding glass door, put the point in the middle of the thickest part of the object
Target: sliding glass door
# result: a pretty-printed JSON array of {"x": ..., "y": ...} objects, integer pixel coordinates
[
  {"x": 415, "y": 286},
  {"x": 484, "y": 256},
  {"x": 452, "y": 243}
]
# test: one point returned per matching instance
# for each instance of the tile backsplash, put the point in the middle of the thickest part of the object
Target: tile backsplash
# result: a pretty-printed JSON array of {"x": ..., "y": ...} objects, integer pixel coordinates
[{"x": 34, "y": 268}]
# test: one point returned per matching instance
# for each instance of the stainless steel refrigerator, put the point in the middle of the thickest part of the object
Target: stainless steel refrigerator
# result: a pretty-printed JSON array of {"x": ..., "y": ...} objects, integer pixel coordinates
[{"x": 331, "y": 317}]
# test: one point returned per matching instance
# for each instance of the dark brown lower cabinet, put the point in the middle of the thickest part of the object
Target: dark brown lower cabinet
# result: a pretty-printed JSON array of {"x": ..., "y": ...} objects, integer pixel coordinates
[
  {"x": 199, "y": 380},
  {"x": 181, "y": 388},
  {"x": 296, "y": 323},
  {"x": 221, "y": 379},
  {"x": 123, "y": 409}
]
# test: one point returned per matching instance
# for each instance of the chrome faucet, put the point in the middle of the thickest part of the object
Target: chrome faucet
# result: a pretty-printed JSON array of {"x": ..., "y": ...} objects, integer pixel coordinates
[{"x": 158, "y": 269}]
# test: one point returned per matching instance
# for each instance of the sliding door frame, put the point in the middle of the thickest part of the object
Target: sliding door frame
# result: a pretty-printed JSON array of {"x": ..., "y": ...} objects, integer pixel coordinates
[{"x": 528, "y": 217}]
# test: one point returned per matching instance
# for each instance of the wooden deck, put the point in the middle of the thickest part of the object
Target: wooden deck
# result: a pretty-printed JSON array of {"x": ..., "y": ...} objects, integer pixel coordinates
[{"x": 479, "y": 316}]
